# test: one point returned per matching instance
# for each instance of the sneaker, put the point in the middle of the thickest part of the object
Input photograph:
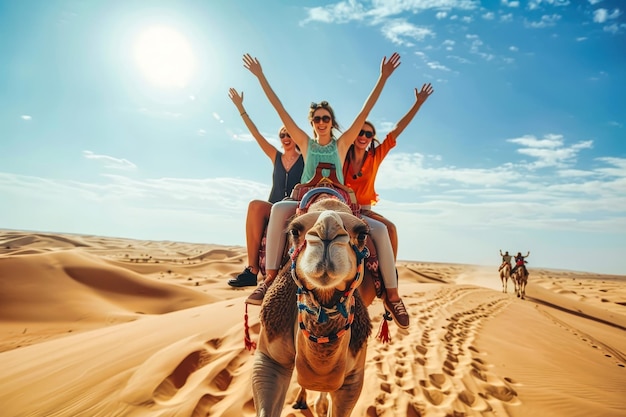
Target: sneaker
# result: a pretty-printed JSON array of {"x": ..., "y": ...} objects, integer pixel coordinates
[
  {"x": 398, "y": 312},
  {"x": 246, "y": 279},
  {"x": 256, "y": 298}
]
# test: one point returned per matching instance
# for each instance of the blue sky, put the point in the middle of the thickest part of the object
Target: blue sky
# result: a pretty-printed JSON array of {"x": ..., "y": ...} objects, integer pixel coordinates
[{"x": 521, "y": 147}]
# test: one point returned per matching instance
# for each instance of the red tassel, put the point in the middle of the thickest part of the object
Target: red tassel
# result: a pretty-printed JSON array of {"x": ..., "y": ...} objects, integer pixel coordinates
[
  {"x": 383, "y": 332},
  {"x": 249, "y": 343}
]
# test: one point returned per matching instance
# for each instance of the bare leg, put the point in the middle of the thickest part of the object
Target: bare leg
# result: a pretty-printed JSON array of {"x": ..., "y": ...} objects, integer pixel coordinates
[
  {"x": 275, "y": 241},
  {"x": 256, "y": 220}
]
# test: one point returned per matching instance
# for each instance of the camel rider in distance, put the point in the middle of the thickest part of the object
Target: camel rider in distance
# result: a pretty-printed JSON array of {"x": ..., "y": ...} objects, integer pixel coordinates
[
  {"x": 520, "y": 261},
  {"x": 506, "y": 259}
]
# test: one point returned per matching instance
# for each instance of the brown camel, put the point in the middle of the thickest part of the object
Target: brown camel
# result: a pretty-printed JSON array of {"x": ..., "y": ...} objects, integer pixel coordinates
[
  {"x": 521, "y": 279},
  {"x": 312, "y": 317}
]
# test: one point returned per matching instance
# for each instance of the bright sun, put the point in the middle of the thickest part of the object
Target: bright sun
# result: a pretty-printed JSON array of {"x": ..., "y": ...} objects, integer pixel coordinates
[{"x": 164, "y": 57}]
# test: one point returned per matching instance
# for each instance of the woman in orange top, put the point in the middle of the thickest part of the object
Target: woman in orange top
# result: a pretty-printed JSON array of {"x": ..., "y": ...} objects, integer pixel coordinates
[{"x": 365, "y": 156}]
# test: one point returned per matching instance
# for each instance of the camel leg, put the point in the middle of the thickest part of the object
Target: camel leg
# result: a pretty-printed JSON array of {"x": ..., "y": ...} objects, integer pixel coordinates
[
  {"x": 321, "y": 405},
  {"x": 300, "y": 403},
  {"x": 270, "y": 381},
  {"x": 344, "y": 399}
]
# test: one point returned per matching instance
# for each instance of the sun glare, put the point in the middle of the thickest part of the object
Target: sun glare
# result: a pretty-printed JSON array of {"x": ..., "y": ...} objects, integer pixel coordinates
[{"x": 164, "y": 57}]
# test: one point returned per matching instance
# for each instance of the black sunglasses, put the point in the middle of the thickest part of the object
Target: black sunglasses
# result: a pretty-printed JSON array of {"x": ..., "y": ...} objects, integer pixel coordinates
[
  {"x": 324, "y": 119},
  {"x": 284, "y": 135},
  {"x": 315, "y": 105},
  {"x": 366, "y": 134}
]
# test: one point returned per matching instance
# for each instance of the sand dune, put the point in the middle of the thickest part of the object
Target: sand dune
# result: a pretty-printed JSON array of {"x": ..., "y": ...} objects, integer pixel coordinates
[{"x": 98, "y": 326}]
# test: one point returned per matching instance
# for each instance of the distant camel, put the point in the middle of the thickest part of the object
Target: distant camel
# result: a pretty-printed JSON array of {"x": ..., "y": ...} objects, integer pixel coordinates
[
  {"x": 505, "y": 275},
  {"x": 521, "y": 279},
  {"x": 312, "y": 317}
]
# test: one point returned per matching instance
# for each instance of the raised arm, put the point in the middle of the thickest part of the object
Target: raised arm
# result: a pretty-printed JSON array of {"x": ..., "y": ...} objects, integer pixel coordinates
[
  {"x": 420, "y": 98},
  {"x": 387, "y": 67},
  {"x": 267, "y": 147},
  {"x": 527, "y": 255},
  {"x": 299, "y": 136}
]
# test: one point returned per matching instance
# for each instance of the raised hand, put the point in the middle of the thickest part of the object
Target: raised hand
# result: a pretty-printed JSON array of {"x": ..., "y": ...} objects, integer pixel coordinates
[
  {"x": 252, "y": 64},
  {"x": 387, "y": 67},
  {"x": 236, "y": 98},
  {"x": 424, "y": 93}
]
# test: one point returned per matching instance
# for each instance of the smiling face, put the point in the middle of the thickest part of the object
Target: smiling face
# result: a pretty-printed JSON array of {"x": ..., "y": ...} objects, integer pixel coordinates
[
  {"x": 322, "y": 122},
  {"x": 322, "y": 119},
  {"x": 285, "y": 139},
  {"x": 363, "y": 141}
]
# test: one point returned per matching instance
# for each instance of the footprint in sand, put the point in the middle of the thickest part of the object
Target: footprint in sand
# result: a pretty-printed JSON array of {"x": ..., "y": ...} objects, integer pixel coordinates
[
  {"x": 186, "y": 378},
  {"x": 442, "y": 373}
]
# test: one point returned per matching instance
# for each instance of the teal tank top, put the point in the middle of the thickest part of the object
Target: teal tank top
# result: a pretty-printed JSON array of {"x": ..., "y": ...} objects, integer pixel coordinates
[{"x": 317, "y": 153}]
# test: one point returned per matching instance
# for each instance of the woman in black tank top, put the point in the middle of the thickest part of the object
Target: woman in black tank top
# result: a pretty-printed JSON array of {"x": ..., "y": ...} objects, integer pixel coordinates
[{"x": 288, "y": 166}]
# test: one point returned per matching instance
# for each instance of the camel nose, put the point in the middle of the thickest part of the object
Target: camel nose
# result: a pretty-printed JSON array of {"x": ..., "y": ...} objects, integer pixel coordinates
[{"x": 328, "y": 226}]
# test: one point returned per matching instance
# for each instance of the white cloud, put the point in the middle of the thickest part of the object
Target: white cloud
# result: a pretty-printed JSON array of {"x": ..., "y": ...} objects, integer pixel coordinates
[
  {"x": 602, "y": 15},
  {"x": 549, "y": 151},
  {"x": 26, "y": 117},
  {"x": 614, "y": 28},
  {"x": 448, "y": 44},
  {"x": 437, "y": 66},
  {"x": 381, "y": 10},
  {"x": 536, "y": 4},
  {"x": 401, "y": 32},
  {"x": 546, "y": 21},
  {"x": 111, "y": 162},
  {"x": 217, "y": 117},
  {"x": 507, "y": 3}
]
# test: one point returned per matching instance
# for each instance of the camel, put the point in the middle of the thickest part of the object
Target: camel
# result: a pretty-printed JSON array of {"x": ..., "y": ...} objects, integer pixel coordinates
[
  {"x": 505, "y": 275},
  {"x": 312, "y": 318},
  {"x": 521, "y": 279}
]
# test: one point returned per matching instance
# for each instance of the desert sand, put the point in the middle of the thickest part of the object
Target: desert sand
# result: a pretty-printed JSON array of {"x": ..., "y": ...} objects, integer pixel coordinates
[{"x": 100, "y": 326}]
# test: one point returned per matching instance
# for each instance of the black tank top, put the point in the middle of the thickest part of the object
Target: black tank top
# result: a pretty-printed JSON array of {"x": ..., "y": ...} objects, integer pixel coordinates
[{"x": 283, "y": 181}]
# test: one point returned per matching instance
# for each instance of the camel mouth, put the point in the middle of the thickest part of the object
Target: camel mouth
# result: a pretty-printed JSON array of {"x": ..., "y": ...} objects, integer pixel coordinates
[{"x": 324, "y": 262}]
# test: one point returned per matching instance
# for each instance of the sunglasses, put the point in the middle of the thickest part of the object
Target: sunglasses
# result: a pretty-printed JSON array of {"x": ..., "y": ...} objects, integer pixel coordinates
[
  {"x": 284, "y": 135},
  {"x": 315, "y": 105},
  {"x": 324, "y": 119},
  {"x": 366, "y": 134}
]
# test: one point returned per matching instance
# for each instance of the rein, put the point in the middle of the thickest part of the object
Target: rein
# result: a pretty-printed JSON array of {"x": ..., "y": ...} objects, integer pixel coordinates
[{"x": 344, "y": 306}]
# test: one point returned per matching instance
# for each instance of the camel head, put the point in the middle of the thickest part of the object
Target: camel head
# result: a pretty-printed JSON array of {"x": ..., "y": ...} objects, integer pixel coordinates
[{"x": 327, "y": 241}]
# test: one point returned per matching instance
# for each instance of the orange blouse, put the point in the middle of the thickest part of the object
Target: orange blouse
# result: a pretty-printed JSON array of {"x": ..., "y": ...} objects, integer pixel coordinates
[{"x": 363, "y": 185}]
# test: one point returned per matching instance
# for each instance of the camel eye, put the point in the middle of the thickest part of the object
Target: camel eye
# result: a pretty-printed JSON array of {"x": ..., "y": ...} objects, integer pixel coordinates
[
  {"x": 295, "y": 233},
  {"x": 361, "y": 234}
]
